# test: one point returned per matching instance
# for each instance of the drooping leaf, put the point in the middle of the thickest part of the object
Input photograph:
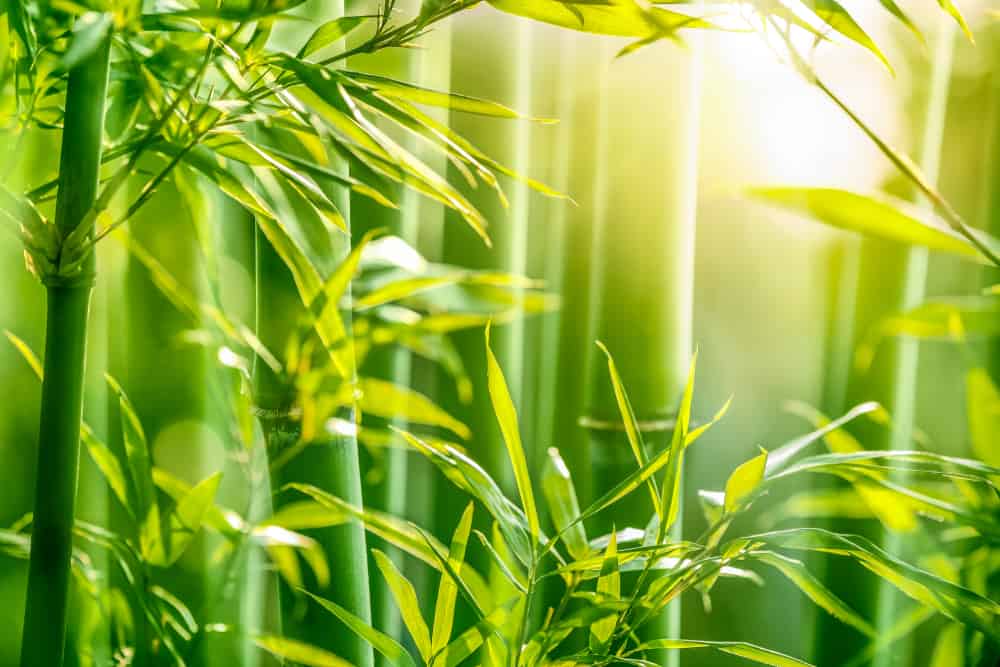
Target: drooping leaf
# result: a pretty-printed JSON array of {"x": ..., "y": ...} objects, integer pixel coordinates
[
  {"x": 879, "y": 217},
  {"x": 299, "y": 652},
  {"x": 752, "y": 652},
  {"x": 814, "y": 589},
  {"x": 838, "y": 18},
  {"x": 611, "y": 17},
  {"x": 952, "y": 9}
]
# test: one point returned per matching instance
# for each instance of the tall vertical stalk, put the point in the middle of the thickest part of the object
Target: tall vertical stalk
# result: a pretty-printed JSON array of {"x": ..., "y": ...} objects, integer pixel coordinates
[
  {"x": 332, "y": 466},
  {"x": 44, "y": 636},
  {"x": 643, "y": 267},
  {"x": 891, "y": 279},
  {"x": 502, "y": 39}
]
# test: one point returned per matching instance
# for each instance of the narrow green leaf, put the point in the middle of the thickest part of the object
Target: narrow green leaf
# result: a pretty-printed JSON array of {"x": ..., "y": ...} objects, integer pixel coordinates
[
  {"x": 814, "y": 589},
  {"x": 952, "y": 9},
  {"x": 136, "y": 454},
  {"x": 388, "y": 647},
  {"x": 608, "y": 584},
  {"x": 758, "y": 654},
  {"x": 632, "y": 430},
  {"x": 506, "y": 416},
  {"x": 300, "y": 652},
  {"x": 983, "y": 405},
  {"x": 744, "y": 480},
  {"x": 894, "y": 9},
  {"x": 406, "y": 599},
  {"x": 557, "y": 485},
  {"x": 622, "y": 18},
  {"x": 835, "y": 16},
  {"x": 444, "y": 606},
  {"x": 879, "y": 217},
  {"x": 670, "y": 494},
  {"x": 392, "y": 401},
  {"x": 330, "y": 32},
  {"x": 26, "y": 352}
]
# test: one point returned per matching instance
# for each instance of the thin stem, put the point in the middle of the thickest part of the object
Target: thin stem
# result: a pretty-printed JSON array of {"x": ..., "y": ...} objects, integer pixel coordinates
[{"x": 44, "y": 634}]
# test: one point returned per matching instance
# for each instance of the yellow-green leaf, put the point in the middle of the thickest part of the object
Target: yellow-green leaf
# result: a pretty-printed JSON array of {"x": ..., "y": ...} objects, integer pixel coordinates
[
  {"x": 406, "y": 599},
  {"x": 744, "y": 480},
  {"x": 444, "y": 606},
  {"x": 609, "y": 583},
  {"x": 300, "y": 652},
  {"x": 983, "y": 401},
  {"x": 506, "y": 416},
  {"x": 873, "y": 216}
]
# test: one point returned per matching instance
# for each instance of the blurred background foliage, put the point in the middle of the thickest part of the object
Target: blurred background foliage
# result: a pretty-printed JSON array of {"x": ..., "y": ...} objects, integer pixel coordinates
[{"x": 766, "y": 282}]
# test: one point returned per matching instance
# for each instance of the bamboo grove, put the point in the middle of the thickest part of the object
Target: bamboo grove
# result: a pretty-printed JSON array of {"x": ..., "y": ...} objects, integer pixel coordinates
[{"x": 423, "y": 383}]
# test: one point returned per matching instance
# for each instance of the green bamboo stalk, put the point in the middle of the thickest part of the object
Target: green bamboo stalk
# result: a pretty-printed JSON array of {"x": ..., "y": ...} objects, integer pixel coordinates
[
  {"x": 547, "y": 246},
  {"x": 903, "y": 402},
  {"x": 44, "y": 634},
  {"x": 891, "y": 279},
  {"x": 642, "y": 288},
  {"x": 407, "y": 488},
  {"x": 502, "y": 38}
]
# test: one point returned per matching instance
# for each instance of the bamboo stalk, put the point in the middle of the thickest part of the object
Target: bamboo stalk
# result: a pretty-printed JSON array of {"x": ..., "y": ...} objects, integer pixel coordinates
[
  {"x": 504, "y": 37},
  {"x": 891, "y": 280},
  {"x": 643, "y": 268},
  {"x": 44, "y": 633}
]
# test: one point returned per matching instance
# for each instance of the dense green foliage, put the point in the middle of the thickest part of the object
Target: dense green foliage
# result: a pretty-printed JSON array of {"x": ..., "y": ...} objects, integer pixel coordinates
[{"x": 234, "y": 100}]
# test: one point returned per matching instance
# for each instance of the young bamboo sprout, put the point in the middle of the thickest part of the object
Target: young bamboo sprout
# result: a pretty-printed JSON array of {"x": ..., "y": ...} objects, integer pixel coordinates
[{"x": 44, "y": 635}]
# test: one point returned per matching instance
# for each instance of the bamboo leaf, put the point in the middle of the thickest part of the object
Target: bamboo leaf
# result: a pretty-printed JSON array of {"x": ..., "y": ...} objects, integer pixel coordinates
[
  {"x": 406, "y": 599},
  {"x": 949, "y": 599},
  {"x": 894, "y": 9},
  {"x": 506, "y": 416},
  {"x": 952, "y": 9},
  {"x": 299, "y": 652},
  {"x": 609, "y": 584},
  {"x": 434, "y": 98},
  {"x": 879, "y": 217},
  {"x": 271, "y": 536},
  {"x": 631, "y": 425},
  {"x": 814, "y": 589},
  {"x": 752, "y": 652},
  {"x": 670, "y": 494},
  {"x": 744, "y": 480},
  {"x": 611, "y": 17},
  {"x": 838, "y": 18},
  {"x": 136, "y": 455},
  {"x": 564, "y": 507},
  {"x": 392, "y": 401},
  {"x": 444, "y": 606},
  {"x": 469, "y": 641},
  {"x": 330, "y": 32},
  {"x": 782, "y": 456},
  {"x": 26, "y": 352},
  {"x": 163, "y": 543},
  {"x": 388, "y": 647},
  {"x": 983, "y": 401}
]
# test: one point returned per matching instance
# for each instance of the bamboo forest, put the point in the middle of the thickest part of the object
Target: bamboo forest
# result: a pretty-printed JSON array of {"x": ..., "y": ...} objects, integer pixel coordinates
[{"x": 499, "y": 333}]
